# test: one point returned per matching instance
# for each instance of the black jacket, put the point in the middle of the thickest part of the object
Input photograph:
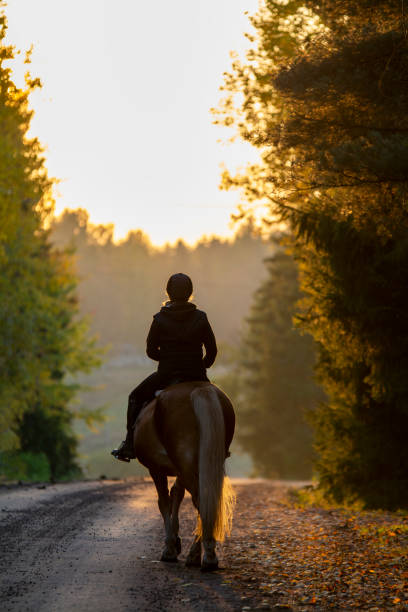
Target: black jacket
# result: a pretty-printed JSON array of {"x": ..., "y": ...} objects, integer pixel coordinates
[{"x": 176, "y": 339}]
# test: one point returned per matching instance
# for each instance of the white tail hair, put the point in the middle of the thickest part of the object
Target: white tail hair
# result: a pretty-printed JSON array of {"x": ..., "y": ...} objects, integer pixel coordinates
[{"x": 216, "y": 496}]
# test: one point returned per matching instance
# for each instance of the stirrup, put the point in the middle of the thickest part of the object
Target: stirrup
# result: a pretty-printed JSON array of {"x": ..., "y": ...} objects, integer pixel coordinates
[
  {"x": 125, "y": 452},
  {"x": 116, "y": 453}
]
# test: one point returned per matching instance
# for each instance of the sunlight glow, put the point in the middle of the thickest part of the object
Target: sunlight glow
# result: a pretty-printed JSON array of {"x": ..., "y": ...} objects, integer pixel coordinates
[{"x": 124, "y": 110}]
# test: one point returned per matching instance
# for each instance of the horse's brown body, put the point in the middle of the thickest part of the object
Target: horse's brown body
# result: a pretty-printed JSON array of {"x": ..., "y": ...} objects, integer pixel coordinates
[
  {"x": 150, "y": 451},
  {"x": 170, "y": 435}
]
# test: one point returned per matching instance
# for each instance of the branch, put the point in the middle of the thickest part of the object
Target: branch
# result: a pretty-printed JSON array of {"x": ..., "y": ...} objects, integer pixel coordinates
[{"x": 372, "y": 128}]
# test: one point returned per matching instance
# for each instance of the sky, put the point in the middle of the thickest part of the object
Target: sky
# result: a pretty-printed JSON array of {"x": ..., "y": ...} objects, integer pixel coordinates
[{"x": 124, "y": 108}]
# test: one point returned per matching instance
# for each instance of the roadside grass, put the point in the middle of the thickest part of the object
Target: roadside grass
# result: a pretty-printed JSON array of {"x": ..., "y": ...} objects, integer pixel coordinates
[{"x": 313, "y": 497}]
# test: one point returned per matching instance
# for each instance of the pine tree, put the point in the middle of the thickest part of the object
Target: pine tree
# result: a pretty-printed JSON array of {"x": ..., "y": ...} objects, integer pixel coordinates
[
  {"x": 334, "y": 165},
  {"x": 272, "y": 385}
]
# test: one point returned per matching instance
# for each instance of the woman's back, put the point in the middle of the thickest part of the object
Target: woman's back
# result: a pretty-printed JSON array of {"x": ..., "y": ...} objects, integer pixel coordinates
[{"x": 176, "y": 339}]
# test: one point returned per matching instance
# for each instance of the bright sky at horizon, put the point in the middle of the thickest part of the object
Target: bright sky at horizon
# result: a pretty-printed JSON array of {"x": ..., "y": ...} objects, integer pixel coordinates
[{"x": 124, "y": 109}]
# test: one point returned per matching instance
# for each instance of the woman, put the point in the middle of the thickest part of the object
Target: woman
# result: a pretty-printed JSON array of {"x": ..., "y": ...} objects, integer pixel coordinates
[{"x": 176, "y": 339}]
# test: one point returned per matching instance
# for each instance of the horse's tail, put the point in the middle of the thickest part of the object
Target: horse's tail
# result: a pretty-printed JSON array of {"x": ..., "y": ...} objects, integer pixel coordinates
[{"x": 216, "y": 496}]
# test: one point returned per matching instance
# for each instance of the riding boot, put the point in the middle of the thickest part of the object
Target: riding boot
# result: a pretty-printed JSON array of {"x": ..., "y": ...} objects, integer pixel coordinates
[{"x": 126, "y": 451}]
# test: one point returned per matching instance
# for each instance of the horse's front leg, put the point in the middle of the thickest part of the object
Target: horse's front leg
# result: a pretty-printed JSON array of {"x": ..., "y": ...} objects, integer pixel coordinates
[
  {"x": 176, "y": 497},
  {"x": 170, "y": 551}
]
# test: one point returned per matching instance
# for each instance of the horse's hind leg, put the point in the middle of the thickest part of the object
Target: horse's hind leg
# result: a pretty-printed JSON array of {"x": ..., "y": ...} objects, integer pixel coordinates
[
  {"x": 205, "y": 539},
  {"x": 176, "y": 497},
  {"x": 194, "y": 554},
  {"x": 210, "y": 560},
  {"x": 170, "y": 551}
]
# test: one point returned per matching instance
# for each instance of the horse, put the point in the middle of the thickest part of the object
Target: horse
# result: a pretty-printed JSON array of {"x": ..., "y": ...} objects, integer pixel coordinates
[{"x": 186, "y": 432}]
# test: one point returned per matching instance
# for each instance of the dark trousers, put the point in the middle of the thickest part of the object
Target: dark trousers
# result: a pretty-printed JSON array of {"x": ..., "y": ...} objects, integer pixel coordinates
[
  {"x": 142, "y": 394},
  {"x": 146, "y": 390}
]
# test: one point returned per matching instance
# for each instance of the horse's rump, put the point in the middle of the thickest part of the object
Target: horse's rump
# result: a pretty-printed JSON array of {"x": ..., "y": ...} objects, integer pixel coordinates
[
  {"x": 176, "y": 420},
  {"x": 167, "y": 432}
]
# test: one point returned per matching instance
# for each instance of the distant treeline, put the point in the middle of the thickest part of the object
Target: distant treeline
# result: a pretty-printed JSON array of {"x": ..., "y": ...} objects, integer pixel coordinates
[{"x": 122, "y": 284}]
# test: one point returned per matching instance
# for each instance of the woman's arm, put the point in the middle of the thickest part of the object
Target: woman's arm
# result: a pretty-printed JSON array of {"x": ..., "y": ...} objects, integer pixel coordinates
[
  {"x": 210, "y": 345},
  {"x": 152, "y": 342}
]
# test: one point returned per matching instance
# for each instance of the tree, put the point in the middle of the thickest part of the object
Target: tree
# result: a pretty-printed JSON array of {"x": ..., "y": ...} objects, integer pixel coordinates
[
  {"x": 340, "y": 182},
  {"x": 42, "y": 340},
  {"x": 272, "y": 384}
]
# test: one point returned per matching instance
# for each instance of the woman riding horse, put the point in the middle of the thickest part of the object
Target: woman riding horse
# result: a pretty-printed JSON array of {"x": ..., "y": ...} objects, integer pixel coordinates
[
  {"x": 184, "y": 432},
  {"x": 176, "y": 339}
]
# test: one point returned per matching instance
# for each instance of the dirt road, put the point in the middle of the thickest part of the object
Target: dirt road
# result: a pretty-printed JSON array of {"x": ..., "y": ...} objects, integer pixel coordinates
[{"x": 96, "y": 546}]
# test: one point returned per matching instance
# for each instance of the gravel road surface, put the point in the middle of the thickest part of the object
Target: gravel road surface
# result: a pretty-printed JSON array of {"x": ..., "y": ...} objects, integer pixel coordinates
[{"x": 96, "y": 546}]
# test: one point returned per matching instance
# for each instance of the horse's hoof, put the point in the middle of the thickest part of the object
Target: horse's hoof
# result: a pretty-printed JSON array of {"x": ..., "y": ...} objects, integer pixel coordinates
[
  {"x": 193, "y": 561},
  {"x": 178, "y": 545},
  {"x": 209, "y": 567},
  {"x": 168, "y": 558}
]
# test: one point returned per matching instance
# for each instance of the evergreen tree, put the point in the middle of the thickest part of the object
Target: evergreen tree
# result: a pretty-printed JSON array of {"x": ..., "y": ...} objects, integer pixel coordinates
[
  {"x": 272, "y": 384},
  {"x": 42, "y": 341},
  {"x": 340, "y": 182}
]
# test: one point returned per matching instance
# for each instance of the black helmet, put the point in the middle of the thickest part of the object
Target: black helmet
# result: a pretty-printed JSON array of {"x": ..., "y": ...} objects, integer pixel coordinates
[{"x": 179, "y": 287}]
